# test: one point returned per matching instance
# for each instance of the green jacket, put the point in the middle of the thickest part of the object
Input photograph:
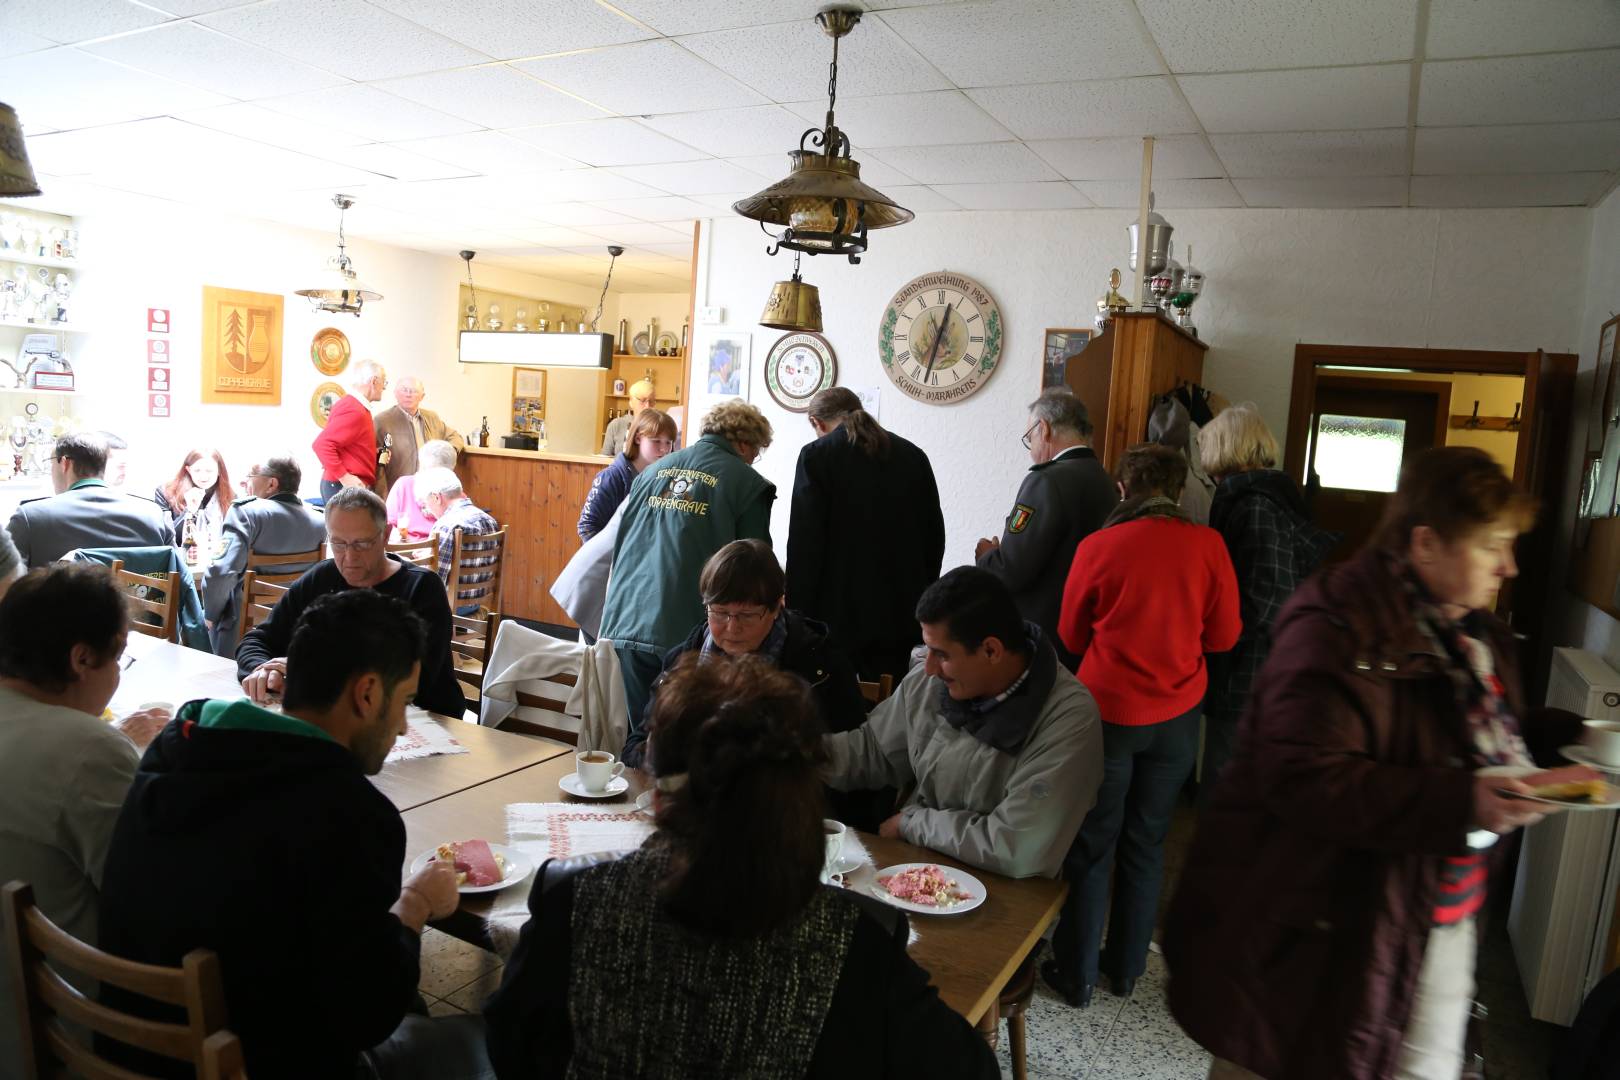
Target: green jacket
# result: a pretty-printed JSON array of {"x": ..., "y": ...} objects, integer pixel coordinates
[{"x": 680, "y": 510}]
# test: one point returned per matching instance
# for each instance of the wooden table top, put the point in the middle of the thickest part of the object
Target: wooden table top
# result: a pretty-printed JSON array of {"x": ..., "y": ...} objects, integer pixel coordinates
[
  {"x": 164, "y": 671},
  {"x": 969, "y": 956}
]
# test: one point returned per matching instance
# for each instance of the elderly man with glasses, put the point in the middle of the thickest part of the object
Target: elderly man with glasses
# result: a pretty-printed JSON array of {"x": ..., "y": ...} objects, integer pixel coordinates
[
  {"x": 1065, "y": 497},
  {"x": 270, "y": 520},
  {"x": 357, "y": 533}
]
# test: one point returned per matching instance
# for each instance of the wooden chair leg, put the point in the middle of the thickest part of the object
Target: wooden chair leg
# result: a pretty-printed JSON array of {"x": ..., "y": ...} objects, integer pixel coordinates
[
  {"x": 1015, "y": 1045},
  {"x": 989, "y": 1026}
]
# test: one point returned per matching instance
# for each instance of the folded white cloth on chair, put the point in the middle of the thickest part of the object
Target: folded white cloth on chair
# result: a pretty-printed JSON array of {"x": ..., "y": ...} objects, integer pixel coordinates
[{"x": 522, "y": 658}]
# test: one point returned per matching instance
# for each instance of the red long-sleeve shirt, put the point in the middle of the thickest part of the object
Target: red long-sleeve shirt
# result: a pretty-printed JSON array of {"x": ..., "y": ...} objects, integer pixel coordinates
[
  {"x": 347, "y": 444},
  {"x": 1144, "y": 602}
]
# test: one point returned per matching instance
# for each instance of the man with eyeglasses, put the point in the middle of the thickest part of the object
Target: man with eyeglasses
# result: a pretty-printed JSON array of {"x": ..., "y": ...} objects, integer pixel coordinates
[
  {"x": 357, "y": 533},
  {"x": 1065, "y": 497},
  {"x": 270, "y": 520}
]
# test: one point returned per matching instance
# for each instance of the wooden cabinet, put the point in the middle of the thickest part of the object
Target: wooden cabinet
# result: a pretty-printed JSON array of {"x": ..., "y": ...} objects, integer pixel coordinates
[{"x": 1139, "y": 356}]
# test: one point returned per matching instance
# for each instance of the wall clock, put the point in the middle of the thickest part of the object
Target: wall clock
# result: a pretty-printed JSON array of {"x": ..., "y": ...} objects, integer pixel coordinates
[
  {"x": 940, "y": 338},
  {"x": 798, "y": 366}
]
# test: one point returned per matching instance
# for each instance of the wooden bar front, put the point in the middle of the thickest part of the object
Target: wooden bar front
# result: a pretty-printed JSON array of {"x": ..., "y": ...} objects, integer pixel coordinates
[{"x": 537, "y": 496}]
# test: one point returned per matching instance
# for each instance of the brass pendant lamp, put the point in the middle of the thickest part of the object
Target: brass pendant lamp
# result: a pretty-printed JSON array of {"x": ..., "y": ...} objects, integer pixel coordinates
[
  {"x": 340, "y": 290},
  {"x": 822, "y": 206},
  {"x": 16, "y": 174},
  {"x": 793, "y": 305}
]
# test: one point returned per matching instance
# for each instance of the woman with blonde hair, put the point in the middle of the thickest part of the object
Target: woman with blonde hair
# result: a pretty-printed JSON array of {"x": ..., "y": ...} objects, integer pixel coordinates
[
  {"x": 1259, "y": 512},
  {"x": 648, "y": 437},
  {"x": 404, "y": 512}
]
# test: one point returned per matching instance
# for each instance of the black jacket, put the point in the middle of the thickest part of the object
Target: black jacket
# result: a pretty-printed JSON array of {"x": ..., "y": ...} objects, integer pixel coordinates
[
  {"x": 1059, "y": 504},
  {"x": 866, "y": 537},
  {"x": 884, "y": 1019},
  {"x": 277, "y": 852},
  {"x": 437, "y": 690},
  {"x": 808, "y": 653}
]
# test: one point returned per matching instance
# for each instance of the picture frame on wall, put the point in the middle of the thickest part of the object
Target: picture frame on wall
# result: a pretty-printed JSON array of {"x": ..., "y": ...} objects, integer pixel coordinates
[
  {"x": 1062, "y": 343},
  {"x": 1605, "y": 398},
  {"x": 726, "y": 368},
  {"x": 241, "y": 347}
]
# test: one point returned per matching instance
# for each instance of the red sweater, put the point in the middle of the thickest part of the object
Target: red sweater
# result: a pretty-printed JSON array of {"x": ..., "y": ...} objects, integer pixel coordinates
[
  {"x": 347, "y": 444},
  {"x": 1144, "y": 602}
]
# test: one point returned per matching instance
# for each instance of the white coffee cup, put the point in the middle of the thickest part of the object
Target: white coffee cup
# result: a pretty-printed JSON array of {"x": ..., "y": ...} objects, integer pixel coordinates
[
  {"x": 1602, "y": 739},
  {"x": 597, "y": 769},
  {"x": 834, "y": 831}
]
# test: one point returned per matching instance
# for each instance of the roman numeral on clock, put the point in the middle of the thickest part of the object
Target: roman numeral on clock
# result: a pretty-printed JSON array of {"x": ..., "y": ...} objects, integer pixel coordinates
[
  {"x": 972, "y": 318},
  {"x": 975, "y": 340}
]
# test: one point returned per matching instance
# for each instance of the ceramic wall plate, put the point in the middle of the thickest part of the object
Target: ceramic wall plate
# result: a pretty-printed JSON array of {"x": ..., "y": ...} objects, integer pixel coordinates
[
  {"x": 668, "y": 342},
  {"x": 320, "y": 403},
  {"x": 642, "y": 344},
  {"x": 329, "y": 350}
]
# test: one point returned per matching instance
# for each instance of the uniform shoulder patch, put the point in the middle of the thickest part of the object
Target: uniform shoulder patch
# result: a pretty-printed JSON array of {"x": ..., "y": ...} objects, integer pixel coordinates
[{"x": 1020, "y": 519}]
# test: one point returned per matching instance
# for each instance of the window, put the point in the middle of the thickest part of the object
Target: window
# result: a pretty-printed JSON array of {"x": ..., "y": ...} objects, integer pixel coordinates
[{"x": 1359, "y": 453}]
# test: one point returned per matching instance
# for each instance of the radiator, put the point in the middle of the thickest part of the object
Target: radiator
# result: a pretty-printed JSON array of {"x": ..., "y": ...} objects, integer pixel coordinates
[{"x": 1569, "y": 867}]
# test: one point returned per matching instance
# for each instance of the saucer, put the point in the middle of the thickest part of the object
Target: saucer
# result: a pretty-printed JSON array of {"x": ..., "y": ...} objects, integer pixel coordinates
[
  {"x": 644, "y": 802},
  {"x": 571, "y": 784},
  {"x": 1581, "y": 755},
  {"x": 846, "y": 864}
]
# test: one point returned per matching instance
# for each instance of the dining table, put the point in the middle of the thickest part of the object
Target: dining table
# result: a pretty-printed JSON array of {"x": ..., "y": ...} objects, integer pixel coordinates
[
  {"x": 162, "y": 672},
  {"x": 970, "y": 956}
]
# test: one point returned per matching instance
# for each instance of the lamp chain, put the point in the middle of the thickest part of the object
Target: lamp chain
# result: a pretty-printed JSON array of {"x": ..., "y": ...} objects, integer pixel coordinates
[
  {"x": 343, "y": 255},
  {"x": 832, "y": 85},
  {"x": 473, "y": 288},
  {"x": 602, "y": 299}
]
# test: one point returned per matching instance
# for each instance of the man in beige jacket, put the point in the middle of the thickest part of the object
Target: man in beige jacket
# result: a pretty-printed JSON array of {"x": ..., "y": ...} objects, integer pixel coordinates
[
  {"x": 1003, "y": 745},
  {"x": 404, "y": 428}
]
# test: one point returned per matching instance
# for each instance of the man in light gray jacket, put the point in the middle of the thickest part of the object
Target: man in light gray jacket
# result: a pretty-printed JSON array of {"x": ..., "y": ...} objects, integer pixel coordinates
[{"x": 1003, "y": 744}]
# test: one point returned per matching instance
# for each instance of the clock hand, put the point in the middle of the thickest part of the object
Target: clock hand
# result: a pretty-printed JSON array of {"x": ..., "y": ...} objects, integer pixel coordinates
[{"x": 939, "y": 336}]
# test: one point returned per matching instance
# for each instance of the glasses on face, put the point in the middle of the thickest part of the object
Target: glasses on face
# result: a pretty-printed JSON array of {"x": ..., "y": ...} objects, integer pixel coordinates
[
  {"x": 359, "y": 547},
  {"x": 1030, "y": 434},
  {"x": 743, "y": 620}
]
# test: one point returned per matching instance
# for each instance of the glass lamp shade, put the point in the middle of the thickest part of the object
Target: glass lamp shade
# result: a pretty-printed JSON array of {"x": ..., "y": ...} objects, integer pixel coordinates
[
  {"x": 16, "y": 174},
  {"x": 340, "y": 291}
]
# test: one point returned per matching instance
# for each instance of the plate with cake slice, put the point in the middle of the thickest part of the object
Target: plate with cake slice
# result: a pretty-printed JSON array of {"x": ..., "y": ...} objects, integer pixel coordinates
[
  {"x": 481, "y": 867},
  {"x": 1568, "y": 788}
]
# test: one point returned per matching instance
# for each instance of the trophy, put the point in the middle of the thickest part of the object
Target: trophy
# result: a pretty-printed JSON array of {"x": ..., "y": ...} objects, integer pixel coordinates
[
  {"x": 1112, "y": 303},
  {"x": 1192, "y": 285},
  {"x": 472, "y": 317},
  {"x": 1158, "y": 250},
  {"x": 542, "y": 324},
  {"x": 494, "y": 320},
  {"x": 521, "y": 323}
]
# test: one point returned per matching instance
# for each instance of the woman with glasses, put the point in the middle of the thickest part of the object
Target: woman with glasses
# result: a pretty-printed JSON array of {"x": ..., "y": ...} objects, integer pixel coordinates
[
  {"x": 649, "y": 437},
  {"x": 742, "y": 586}
]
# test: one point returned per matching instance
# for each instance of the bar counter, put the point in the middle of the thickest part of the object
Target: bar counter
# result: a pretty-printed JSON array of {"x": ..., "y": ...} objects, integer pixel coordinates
[{"x": 536, "y": 495}]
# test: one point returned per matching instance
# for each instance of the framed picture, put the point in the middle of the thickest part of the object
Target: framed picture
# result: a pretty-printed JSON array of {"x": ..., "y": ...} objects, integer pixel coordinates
[
  {"x": 726, "y": 374},
  {"x": 1061, "y": 344},
  {"x": 241, "y": 347},
  {"x": 1603, "y": 402}
]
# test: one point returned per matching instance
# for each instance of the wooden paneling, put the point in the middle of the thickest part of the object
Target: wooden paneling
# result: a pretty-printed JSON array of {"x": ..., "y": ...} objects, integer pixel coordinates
[{"x": 1145, "y": 355}]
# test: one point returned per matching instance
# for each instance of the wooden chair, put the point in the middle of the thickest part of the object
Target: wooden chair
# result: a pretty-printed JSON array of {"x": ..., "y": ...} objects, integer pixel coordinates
[
  {"x": 138, "y": 591},
  {"x": 47, "y": 1003},
  {"x": 258, "y": 598},
  {"x": 537, "y": 701},
  {"x": 272, "y": 568},
  {"x": 416, "y": 552},
  {"x": 875, "y": 692},
  {"x": 471, "y": 639},
  {"x": 470, "y": 558}
]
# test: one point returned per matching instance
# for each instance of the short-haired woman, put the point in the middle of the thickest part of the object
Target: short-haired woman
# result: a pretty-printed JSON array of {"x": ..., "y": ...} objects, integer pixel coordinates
[
  {"x": 714, "y": 950},
  {"x": 1259, "y": 512},
  {"x": 404, "y": 512},
  {"x": 648, "y": 437},
  {"x": 1324, "y": 922},
  {"x": 745, "y": 615},
  {"x": 1148, "y": 595}
]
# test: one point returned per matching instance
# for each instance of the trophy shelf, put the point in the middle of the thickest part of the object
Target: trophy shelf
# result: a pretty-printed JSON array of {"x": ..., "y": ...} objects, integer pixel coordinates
[
  {"x": 22, "y": 391},
  {"x": 1119, "y": 374},
  {"x": 41, "y": 328},
  {"x": 38, "y": 260}
]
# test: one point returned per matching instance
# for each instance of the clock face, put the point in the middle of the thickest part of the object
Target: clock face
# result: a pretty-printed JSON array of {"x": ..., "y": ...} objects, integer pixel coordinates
[
  {"x": 940, "y": 338},
  {"x": 798, "y": 366}
]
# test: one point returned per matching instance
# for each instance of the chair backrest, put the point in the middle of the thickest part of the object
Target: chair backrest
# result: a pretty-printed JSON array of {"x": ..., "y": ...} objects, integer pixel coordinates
[
  {"x": 273, "y": 568},
  {"x": 471, "y": 639},
  {"x": 540, "y": 701},
  {"x": 416, "y": 552},
  {"x": 875, "y": 692},
  {"x": 475, "y": 570},
  {"x": 47, "y": 1003},
  {"x": 154, "y": 617},
  {"x": 258, "y": 598}
]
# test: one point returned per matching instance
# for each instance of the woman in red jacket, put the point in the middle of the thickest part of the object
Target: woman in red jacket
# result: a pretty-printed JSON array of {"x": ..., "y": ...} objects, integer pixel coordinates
[{"x": 1148, "y": 595}]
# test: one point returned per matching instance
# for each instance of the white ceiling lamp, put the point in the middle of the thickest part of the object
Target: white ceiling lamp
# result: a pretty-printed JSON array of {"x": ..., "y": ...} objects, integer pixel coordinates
[{"x": 340, "y": 291}]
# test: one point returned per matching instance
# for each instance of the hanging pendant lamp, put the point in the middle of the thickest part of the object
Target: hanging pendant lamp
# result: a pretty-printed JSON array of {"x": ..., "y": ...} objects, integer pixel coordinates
[
  {"x": 340, "y": 290},
  {"x": 793, "y": 305},
  {"x": 16, "y": 174}
]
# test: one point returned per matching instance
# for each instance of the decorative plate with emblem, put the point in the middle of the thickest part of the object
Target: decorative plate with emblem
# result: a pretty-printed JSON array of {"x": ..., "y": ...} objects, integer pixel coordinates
[
  {"x": 321, "y": 401},
  {"x": 798, "y": 366},
  {"x": 940, "y": 338}
]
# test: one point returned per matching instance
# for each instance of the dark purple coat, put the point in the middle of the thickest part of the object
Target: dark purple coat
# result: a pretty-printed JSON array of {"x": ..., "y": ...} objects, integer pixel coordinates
[{"x": 1297, "y": 930}]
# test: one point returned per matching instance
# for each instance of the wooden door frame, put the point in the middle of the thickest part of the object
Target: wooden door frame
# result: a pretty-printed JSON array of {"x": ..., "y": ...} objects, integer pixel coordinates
[{"x": 1440, "y": 391}]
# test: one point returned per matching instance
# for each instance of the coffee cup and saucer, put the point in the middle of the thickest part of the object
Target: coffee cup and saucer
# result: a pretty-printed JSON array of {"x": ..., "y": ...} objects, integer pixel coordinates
[
  {"x": 597, "y": 775},
  {"x": 837, "y": 864},
  {"x": 1599, "y": 747}
]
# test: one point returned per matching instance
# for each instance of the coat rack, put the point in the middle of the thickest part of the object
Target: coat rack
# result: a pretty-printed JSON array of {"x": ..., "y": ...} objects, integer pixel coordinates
[{"x": 1475, "y": 422}]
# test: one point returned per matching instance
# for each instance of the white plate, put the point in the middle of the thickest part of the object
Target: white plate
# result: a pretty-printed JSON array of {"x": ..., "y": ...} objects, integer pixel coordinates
[
  {"x": 1581, "y": 755},
  {"x": 1562, "y": 804},
  {"x": 964, "y": 881},
  {"x": 572, "y": 784},
  {"x": 644, "y": 802},
  {"x": 847, "y": 864},
  {"x": 517, "y": 868}
]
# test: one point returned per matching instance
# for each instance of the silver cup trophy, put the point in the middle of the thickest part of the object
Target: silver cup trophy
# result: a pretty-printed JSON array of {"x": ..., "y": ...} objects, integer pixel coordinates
[
  {"x": 1191, "y": 287},
  {"x": 1158, "y": 253}
]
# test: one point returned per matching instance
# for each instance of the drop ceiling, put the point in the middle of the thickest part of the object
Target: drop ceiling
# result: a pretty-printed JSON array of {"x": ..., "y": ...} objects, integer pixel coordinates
[{"x": 538, "y": 131}]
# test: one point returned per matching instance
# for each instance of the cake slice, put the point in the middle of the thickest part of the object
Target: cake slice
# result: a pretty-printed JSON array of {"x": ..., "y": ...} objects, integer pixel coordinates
[
  {"x": 475, "y": 863},
  {"x": 1592, "y": 791}
]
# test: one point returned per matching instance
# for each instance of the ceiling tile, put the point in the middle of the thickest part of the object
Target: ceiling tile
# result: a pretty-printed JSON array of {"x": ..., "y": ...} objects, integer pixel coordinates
[
  {"x": 775, "y": 166},
  {"x": 760, "y": 129},
  {"x": 487, "y": 152},
  {"x": 1318, "y": 100},
  {"x": 1494, "y": 27},
  {"x": 1077, "y": 110},
  {"x": 1521, "y": 89},
  {"x": 16, "y": 42},
  {"x": 984, "y": 163},
  {"x": 680, "y": 251},
  {"x": 575, "y": 185},
  {"x": 1245, "y": 35},
  {"x": 278, "y": 129},
  {"x": 1168, "y": 194},
  {"x": 1314, "y": 153},
  {"x": 1055, "y": 195},
  {"x": 202, "y": 57},
  {"x": 513, "y": 28},
  {"x": 1324, "y": 191},
  {"x": 1016, "y": 41},
  {"x": 350, "y": 37},
  {"x": 495, "y": 96},
  {"x": 788, "y": 61},
  {"x": 369, "y": 112},
  {"x": 62, "y": 22},
  {"x": 76, "y": 153},
  {"x": 613, "y": 141},
  {"x": 689, "y": 177},
  {"x": 673, "y": 17},
  {"x": 186, "y": 8},
  {"x": 668, "y": 208},
  {"x": 1174, "y": 157},
  {"x": 555, "y": 236},
  {"x": 929, "y": 119},
  {"x": 1519, "y": 148},
  {"x": 1529, "y": 189},
  {"x": 721, "y": 204},
  {"x": 919, "y": 199},
  {"x": 579, "y": 215},
  {"x": 68, "y": 88},
  {"x": 649, "y": 77},
  {"x": 396, "y": 164},
  {"x": 637, "y": 232}
]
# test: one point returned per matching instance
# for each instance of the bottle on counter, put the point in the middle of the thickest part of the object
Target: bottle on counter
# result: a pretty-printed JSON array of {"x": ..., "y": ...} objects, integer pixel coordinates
[{"x": 483, "y": 433}]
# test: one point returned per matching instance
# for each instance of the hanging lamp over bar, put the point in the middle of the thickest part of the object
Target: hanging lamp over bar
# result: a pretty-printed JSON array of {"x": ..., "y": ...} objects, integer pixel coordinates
[
  {"x": 822, "y": 206},
  {"x": 340, "y": 290}
]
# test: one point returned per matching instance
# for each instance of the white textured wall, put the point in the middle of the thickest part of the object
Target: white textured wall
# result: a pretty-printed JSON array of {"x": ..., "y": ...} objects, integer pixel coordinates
[{"x": 1488, "y": 279}]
